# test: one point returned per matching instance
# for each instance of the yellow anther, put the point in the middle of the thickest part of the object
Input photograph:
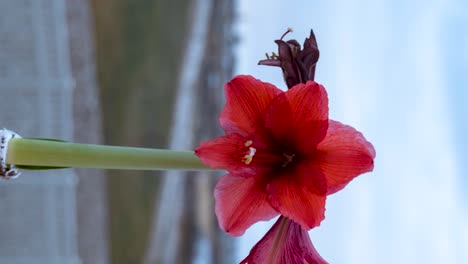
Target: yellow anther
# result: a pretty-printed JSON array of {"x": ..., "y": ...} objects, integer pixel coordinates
[
  {"x": 248, "y": 143},
  {"x": 248, "y": 158}
]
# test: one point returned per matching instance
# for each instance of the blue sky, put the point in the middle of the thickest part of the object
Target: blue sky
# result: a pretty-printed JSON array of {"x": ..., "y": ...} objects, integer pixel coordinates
[
  {"x": 398, "y": 72},
  {"x": 455, "y": 45}
]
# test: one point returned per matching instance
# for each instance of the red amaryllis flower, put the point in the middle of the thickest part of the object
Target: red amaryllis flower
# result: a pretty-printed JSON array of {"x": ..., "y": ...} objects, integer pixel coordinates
[
  {"x": 286, "y": 242},
  {"x": 282, "y": 153}
]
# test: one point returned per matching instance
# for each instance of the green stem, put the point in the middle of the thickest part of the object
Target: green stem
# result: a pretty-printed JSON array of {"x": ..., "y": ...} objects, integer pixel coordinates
[{"x": 36, "y": 152}]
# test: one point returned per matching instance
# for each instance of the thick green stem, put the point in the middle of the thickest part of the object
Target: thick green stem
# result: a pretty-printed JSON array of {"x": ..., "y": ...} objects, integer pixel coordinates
[{"x": 35, "y": 152}]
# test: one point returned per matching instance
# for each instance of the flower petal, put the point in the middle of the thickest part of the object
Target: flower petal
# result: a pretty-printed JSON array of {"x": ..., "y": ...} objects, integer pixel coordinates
[
  {"x": 298, "y": 118},
  {"x": 343, "y": 155},
  {"x": 286, "y": 242},
  {"x": 299, "y": 195},
  {"x": 241, "y": 202},
  {"x": 239, "y": 155},
  {"x": 226, "y": 152},
  {"x": 246, "y": 101}
]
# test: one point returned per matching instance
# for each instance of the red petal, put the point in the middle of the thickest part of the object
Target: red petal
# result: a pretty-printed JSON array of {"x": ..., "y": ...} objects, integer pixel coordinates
[
  {"x": 343, "y": 155},
  {"x": 225, "y": 152},
  {"x": 241, "y": 202},
  {"x": 229, "y": 153},
  {"x": 286, "y": 242},
  {"x": 300, "y": 195},
  {"x": 246, "y": 101},
  {"x": 298, "y": 118}
]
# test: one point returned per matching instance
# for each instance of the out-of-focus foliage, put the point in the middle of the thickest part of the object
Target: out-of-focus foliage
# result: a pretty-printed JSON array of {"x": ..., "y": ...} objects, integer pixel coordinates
[{"x": 139, "y": 45}]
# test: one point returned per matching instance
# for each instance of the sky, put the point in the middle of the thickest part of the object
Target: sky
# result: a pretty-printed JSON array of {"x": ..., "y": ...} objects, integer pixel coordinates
[{"x": 396, "y": 71}]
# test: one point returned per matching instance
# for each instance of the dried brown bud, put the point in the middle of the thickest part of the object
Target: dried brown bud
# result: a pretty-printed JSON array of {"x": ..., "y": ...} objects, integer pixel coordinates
[{"x": 298, "y": 64}]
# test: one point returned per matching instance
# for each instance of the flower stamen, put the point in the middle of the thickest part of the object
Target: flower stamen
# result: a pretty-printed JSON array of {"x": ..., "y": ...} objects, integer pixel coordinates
[
  {"x": 285, "y": 33},
  {"x": 289, "y": 159},
  {"x": 248, "y": 158}
]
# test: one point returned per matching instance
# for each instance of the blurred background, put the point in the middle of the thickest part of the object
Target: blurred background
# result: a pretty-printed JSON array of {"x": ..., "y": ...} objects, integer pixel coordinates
[{"x": 150, "y": 73}]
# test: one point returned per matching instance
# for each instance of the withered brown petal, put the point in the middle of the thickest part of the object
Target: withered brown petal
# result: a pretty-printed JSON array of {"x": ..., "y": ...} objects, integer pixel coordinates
[{"x": 298, "y": 64}]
